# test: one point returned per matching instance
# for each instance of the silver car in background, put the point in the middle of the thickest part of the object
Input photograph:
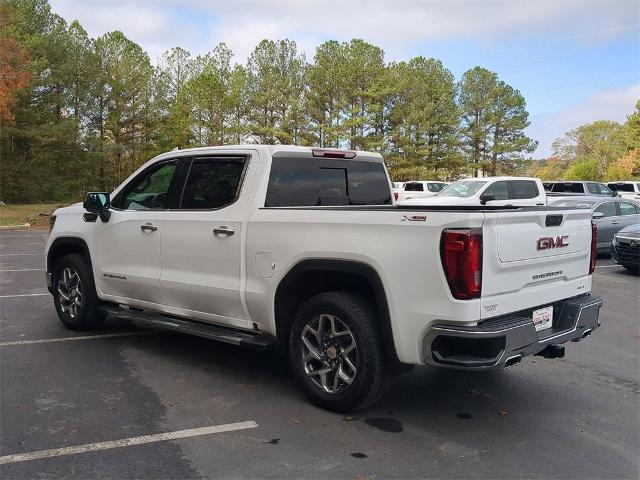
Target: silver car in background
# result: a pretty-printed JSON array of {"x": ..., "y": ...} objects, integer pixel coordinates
[{"x": 609, "y": 214}]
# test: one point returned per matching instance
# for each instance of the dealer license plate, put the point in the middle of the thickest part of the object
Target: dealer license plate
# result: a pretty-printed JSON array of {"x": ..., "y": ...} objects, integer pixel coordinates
[{"x": 543, "y": 318}]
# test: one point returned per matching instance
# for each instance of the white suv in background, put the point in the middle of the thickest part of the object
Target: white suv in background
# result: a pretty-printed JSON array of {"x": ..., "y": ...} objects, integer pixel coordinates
[
  {"x": 517, "y": 191},
  {"x": 626, "y": 189},
  {"x": 420, "y": 189}
]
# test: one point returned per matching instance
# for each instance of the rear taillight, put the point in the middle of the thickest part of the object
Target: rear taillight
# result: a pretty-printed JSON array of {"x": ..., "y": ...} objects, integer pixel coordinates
[
  {"x": 461, "y": 252},
  {"x": 395, "y": 195},
  {"x": 594, "y": 247}
]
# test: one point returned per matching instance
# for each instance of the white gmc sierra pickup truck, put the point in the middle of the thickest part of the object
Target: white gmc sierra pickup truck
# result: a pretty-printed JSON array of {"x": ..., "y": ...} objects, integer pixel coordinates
[{"x": 303, "y": 249}]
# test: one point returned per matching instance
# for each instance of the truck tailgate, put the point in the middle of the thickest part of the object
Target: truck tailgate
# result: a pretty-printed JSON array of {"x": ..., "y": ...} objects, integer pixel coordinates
[{"x": 534, "y": 257}]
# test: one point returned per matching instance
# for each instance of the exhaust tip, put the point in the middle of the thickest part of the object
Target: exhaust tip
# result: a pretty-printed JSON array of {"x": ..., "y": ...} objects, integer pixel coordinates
[
  {"x": 586, "y": 333},
  {"x": 513, "y": 361}
]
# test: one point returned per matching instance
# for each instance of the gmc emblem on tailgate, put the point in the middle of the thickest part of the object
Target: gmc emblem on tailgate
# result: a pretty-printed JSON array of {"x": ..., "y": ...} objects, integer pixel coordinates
[{"x": 545, "y": 243}]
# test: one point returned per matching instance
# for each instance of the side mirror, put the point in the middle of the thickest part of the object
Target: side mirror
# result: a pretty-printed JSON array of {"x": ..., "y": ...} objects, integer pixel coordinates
[
  {"x": 486, "y": 197},
  {"x": 98, "y": 203},
  {"x": 597, "y": 215}
]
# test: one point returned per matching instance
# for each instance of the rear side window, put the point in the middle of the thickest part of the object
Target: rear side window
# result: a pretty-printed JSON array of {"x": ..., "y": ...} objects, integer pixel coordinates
[
  {"x": 414, "y": 187},
  {"x": 621, "y": 187},
  {"x": 608, "y": 208},
  {"x": 212, "y": 183},
  {"x": 521, "y": 189},
  {"x": 309, "y": 182},
  {"x": 568, "y": 187}
]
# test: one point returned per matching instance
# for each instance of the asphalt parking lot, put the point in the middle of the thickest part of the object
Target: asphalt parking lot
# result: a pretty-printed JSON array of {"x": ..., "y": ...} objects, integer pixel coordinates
[{"x": 161, "y": 405}]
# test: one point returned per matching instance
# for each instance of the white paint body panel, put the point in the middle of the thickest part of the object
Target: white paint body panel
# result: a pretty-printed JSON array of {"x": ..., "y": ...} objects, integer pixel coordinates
[{"x": 232, "y": 281}]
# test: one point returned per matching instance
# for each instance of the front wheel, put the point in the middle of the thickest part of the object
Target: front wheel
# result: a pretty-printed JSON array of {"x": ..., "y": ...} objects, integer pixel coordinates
[
  {"x": 336, "y": 352},
  {"x": 74, "y": 294}
]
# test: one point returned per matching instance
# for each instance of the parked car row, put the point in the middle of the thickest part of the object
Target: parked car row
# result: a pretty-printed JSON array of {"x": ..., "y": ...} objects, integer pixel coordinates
[
  {"x": 417, "y": 189},
  {"x": 614, "y": 206},
  {"x": 610, "y": 215},
  {"x": 491, "y": 191},
  {"x": 577, "y": 188}
]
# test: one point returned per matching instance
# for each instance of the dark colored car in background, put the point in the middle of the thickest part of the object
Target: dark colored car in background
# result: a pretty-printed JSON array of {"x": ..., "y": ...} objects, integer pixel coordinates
[
  {"x": 609, "y": 214},
  {"x": 625, "y": 248}
]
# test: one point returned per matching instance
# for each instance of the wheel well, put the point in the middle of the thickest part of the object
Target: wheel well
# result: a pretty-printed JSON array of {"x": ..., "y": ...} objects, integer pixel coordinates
[
  {"x": 312, "y": 277},
  {"x": 64, "y": 246}
]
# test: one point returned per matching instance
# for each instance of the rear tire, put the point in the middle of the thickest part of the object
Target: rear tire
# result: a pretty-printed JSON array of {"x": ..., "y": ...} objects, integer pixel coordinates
[
  {"x": 635, "y": 269},
  {"x": 74, "y": 294},
  {"x": 336, "y": 352}
]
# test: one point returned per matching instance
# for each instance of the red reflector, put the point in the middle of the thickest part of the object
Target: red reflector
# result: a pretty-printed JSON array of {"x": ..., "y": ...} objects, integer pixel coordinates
[
  {"x": 461, "y": 253},
  {"x": 594, "y": 247},
  {"x": 321, "y": 152}
]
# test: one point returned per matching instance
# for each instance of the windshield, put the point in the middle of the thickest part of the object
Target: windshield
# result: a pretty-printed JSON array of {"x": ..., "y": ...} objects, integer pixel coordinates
[{"x": 462, "y": 188}]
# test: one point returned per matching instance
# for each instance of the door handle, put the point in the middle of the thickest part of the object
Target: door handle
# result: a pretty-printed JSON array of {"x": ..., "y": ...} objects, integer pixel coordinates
[
  {"x": 614, "y": 222},
  {"x": 148, "y": 227},
  {"x": 223, "y": 231}
]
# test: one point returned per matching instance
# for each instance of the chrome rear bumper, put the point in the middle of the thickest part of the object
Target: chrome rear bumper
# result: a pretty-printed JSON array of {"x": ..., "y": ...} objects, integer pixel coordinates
[{"x": 502, "y": 341}]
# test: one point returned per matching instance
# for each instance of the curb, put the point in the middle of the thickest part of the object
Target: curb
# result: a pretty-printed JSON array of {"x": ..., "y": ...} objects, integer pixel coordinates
[{"x": 15, "y": 227}]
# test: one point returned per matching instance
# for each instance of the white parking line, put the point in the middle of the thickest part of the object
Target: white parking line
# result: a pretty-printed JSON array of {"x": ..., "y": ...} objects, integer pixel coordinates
[
  {"x": 25, "y": 295},
  {"x": 25, "y": 270},
  {"x": 606, "y": 266},
  {"x": 19, "y": 254},
  {"x": 126, "y": 442},
  {"x": 70, "y": 339}
]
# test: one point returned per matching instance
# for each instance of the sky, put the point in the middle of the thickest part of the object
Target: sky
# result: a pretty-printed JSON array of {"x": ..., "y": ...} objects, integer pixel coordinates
[{"x": 574, "y": 61}]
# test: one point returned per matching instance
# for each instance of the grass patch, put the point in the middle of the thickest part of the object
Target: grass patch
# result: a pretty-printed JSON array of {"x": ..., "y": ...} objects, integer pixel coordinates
[{"x": 20, "y": 214}]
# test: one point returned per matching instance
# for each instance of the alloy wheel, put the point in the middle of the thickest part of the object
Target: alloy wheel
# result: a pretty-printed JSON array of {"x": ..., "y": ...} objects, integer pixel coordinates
[
  {"x": 70, "y": 292},
  {"x": 329, "y": 353}
]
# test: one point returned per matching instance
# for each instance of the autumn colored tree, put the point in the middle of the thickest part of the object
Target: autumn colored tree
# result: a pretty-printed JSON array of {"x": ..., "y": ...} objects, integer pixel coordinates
[{"x": 14, "y": 73}]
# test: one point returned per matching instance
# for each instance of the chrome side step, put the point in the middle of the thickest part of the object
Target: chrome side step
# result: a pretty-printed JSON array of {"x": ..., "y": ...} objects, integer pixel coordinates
[{"x": 257, "y": 341}]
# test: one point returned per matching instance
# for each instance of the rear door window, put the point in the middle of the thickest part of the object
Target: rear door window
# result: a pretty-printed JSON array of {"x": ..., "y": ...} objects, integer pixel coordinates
[
  {"x": 435, "y": 187},
  {"x": 523, "y": 189},
  {"x": 212, "y": 183},
  {"x": 309, "y": 182}
]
